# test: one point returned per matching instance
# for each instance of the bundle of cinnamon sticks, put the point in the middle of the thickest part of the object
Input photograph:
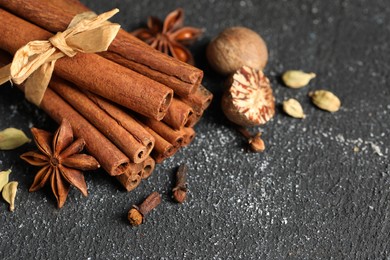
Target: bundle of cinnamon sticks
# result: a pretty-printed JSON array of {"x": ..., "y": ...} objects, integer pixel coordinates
[{"x": 133, "y": 105}]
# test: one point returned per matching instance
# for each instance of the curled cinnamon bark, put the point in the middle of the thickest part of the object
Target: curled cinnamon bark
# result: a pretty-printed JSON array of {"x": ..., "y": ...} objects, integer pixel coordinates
[
  {"x": 193, "y": 119},
  {"x": 189, "y": 135},
  {"x": 92, "y": 72},
  {"x": 148, "y": 167},
  {"x": 125, "y": 120},
  {"x": 175, "y": 137},
  {"x": 131, "y": 178},
  {"x": 162, "y": 148},
  {"x": 56, "y": 15},
  {"x": 199, "y": 100},
  {"x": 109, "y": 157},
  {"x": 178, "y": 114},
  {"x": 126, "y": 142}
]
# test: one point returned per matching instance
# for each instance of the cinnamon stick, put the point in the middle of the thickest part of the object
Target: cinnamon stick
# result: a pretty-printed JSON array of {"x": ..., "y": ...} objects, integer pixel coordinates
[
  {"x": 200, "y": 100},
  {"x": 131, "y": 178},
  {"x": 175, "y": 137},
  {"x": 92, "y": 72},
  {"x": 148, "y": 167},
  {"x": 110, "y": 157},
  {"x": 55, "y": 16},
  {"x": 189, "y": 135},
  {"x": 135, "y": 150},
  {"x": 193, "y": 119},
  {"x": 124, "y": 119},
  {"x": 136, "y": 171},
  {"x": 179, "y": 87},
  {"x": 162, "y": 148},
  {"x": 178, "y": 114}
]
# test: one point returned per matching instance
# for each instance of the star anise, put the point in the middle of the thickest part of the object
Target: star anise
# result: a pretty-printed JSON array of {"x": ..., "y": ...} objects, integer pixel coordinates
[
  {"x": 60, "y": 161},
  {"x": 170, "y": 37}
]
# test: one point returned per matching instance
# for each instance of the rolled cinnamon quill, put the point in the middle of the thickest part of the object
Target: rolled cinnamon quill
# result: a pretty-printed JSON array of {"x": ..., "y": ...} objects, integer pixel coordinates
[
  {"x": 125, "y": 120},
  {"x": 148, "y": 167},
  {"x": 193, "y": 119},
  {"x": 92, "y": 72},
  {"x": 110, "y": 128},
  {"x": 131, "y": 178},
  {"x": 175, "y": 137},
  {"x": 189, "y": 135},
  {"x": 56, "y": 15},
  {"x": 200, "y": 100},
  {"x": 108, "y": 156},
  {"x": 162, "y": 148},
  {"x": 178, "y": 114}
]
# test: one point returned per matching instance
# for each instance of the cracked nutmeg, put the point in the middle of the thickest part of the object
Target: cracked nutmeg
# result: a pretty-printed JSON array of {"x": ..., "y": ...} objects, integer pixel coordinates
[
  {"x": 61, "y": 161},
  {"x": 170, "y": 37},
  {"x": 249, "y": 100}
]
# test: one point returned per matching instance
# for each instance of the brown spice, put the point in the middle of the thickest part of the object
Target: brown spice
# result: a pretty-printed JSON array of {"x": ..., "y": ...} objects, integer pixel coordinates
[
  {"x": 60, "y": 161},
  {"x": 170, "y": 37},
  {"x": 249, "y": 100},
  {"x": 180, "y": 190},
  {"x": 137, "y": 214},
  {"x": 93, "y": 72},
  {"x": 178, "y": 114},
  {"x": 148, "y": 166},
  {"x": 255, "y": 142},
  {"x": 110, "y": 158},
  {"x": 56, "y": 15},
  {"x": 236, "y": 47},
  {"x": 123, "y": 139}
]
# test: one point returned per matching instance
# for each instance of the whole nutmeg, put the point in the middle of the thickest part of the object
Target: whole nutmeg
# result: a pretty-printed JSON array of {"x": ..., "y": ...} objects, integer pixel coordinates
[
  {"x": 249, "y": 100},
  {"x": 236, "y": 47}
]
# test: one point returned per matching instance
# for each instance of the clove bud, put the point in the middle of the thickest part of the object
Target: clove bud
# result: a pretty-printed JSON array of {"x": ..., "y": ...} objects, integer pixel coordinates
[{"x": 137, "y": 214}]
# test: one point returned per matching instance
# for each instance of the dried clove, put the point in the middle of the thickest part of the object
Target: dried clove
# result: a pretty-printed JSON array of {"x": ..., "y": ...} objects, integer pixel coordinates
[
  {"x": 180, "y": 190},
  {"x": 137, "y": 214}
]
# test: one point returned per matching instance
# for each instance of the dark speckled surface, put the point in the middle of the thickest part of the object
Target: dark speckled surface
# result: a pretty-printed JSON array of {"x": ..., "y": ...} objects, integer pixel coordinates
[{"x": 309, "y": 196}]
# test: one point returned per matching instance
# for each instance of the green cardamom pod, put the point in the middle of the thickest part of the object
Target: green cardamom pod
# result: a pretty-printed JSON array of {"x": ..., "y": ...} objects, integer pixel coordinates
[
  {"x": 12, "y": 138},
  {"x": 325, "y": 100},
  {"x": 293, "y": 108},
  {"x": 4, "y": 178},
  {"x": 297, "y": 78},
  {"x": 9, "y": 194}
]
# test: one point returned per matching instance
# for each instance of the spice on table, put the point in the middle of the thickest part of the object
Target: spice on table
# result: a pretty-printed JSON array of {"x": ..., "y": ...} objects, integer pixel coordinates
[
  {"x": 249, "y": 100},
  {"x": 137, "y": 214},
  {"x": 9, "y": 194},
  {"x": 255, "y": 142},
  {"x": 325, "y": 100},
  {"x": 236, "y": 47},
  {"x": 180, "y": 190},
  {"x": 297, "y": 78},
  {"x": 12, "y": 138},
  {"x": 56, "y": 15},
  {"x": 60, "y": 161},
  {"x": 293, "y": 108},
  {"x": 4, "y": 178},
  {"x": 170, "y": 37}
]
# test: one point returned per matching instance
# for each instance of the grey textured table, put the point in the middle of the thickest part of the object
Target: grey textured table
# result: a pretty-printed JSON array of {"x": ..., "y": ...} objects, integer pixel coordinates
[{"x": 308, "y": 196}]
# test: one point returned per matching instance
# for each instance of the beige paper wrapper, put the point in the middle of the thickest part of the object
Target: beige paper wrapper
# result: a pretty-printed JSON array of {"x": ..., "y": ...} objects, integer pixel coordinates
[{"x": 33, "y": 64}]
